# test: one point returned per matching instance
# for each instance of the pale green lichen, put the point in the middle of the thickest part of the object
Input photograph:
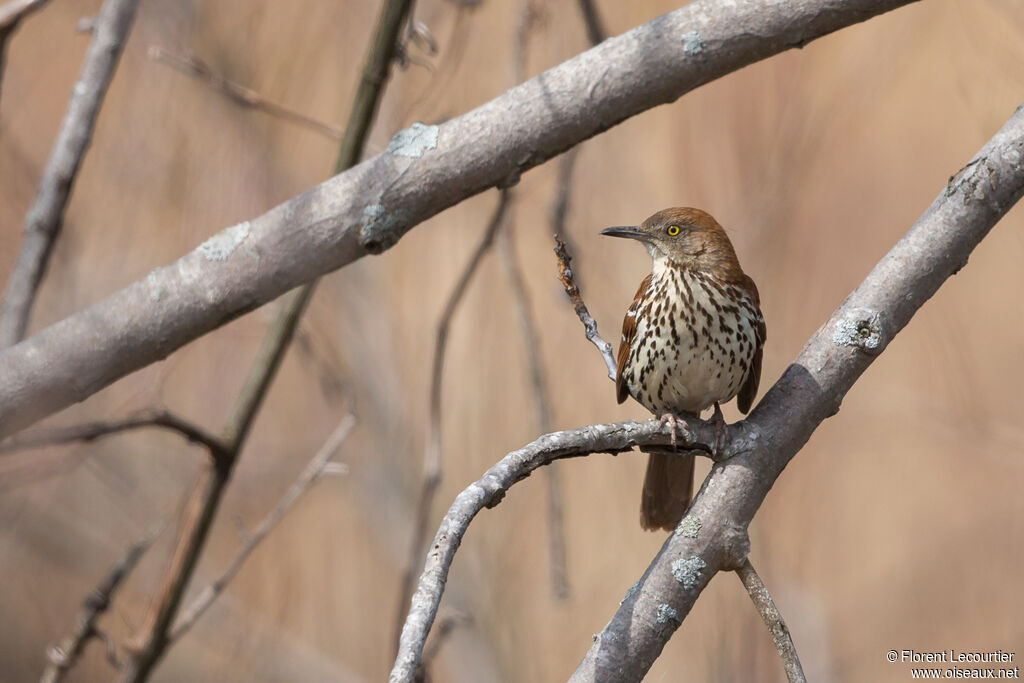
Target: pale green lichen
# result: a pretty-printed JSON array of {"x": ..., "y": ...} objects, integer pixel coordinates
[
  {"x": 413, "y": 141},
  {"x": 223, "y": 244},
  {"x": 689, "y": 571},
  {"x": 666, "y": 614},
  {"x": 861, "y": 328},
  {"x": 692, "y": 43},
  {"x": 689, "y": 527}
]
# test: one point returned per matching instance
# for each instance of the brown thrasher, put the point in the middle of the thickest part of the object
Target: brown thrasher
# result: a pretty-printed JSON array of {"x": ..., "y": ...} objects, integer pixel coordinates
[{"x": 691, "y": 339}]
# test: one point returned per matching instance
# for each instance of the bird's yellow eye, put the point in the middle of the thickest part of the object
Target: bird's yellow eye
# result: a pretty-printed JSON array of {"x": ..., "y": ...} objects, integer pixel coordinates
[{"x": 673, "y": 230}]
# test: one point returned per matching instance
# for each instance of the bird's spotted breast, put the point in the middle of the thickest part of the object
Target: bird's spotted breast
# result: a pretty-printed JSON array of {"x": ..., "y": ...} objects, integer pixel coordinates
[{"x": 694, "y": 342}]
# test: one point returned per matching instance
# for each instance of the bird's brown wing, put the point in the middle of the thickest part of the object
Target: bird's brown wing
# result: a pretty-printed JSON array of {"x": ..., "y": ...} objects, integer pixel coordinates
[
  {"x": 748, "y": 390},
  {"x": 628, "y": 331}
]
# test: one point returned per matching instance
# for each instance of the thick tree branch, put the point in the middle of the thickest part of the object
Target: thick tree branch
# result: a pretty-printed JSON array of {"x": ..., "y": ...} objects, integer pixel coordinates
[
  {"x": 713, "y": 535},
  {"x": 61, "y": 658},
  {"x": 810, "y": 390},
  {"x": 46, "y": 215},
  {"x": 424, "y": 170},
  {"x": 773, "y": 620}
]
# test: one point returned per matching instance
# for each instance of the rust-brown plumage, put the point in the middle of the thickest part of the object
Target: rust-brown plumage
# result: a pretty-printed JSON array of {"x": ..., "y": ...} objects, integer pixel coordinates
[{"x": 691, "y": 339}]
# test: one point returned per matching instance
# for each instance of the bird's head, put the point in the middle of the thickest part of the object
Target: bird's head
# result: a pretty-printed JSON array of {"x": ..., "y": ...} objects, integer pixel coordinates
[{"x": 685, "y": 237}]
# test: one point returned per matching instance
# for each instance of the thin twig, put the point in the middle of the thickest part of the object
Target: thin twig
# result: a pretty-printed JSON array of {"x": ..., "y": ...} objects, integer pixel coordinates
[
  {"x": 489, "y": 490},
  {"x": 432, "y": 473},
  {"x": 773, "y": 620},
  {"x": 91, "y": 431},
  {"x": 376, "y": 71},
  {"x": 595, "y": 29},
  {"x": 60, "y": 658},
  {"x": 565, "y": 275},
  {"x": 191, "y": 614},
  {"x": 46, "y": 216},
  {"x": 542, "y": 410},
  {"x": 153, "y": 639},
  {"x": 191, "y": 65}
]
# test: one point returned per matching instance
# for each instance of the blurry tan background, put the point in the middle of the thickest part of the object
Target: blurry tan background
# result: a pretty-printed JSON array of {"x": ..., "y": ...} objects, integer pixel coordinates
[{"x": 898, "y": 526}]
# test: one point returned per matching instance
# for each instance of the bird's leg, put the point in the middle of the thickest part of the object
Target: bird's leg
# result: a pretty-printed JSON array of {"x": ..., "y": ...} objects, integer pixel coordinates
[
  {"x": 674, "y": 421},
  {"x": 721, "y": 429}
]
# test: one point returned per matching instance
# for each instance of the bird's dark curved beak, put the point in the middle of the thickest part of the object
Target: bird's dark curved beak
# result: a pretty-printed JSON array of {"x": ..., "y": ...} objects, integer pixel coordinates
[{"x": 630, "y": 231}]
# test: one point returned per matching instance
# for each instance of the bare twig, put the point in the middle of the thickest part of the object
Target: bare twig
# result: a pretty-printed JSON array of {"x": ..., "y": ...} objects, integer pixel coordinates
[
  {"x": 60, "y": 658},
  {"x": 90, "y": 431},
  {"x": 595, "y": 29},
  {"x": 376, "y": 71},
  {"x": 489, "y": 490},
  {"x": 11, "y": 15},
  {"x": 425, "y": 169},
  {"x": 773, "y": 620},
  {"x": 565, "y": 274},
  {"x": 46, "y": 215},
  {"x": 542, "y": 411},
  {"x": 431, "y": 478},
  {"x": 153, "y": 639},
  {"x": 713, "y": 535},
  {"x": 191, "y": 614},
  {"x": 191, "y": 65}
]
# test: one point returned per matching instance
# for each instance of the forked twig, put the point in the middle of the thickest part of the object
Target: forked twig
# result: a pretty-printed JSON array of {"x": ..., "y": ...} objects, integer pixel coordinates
[{"x": 60, "y": 658}]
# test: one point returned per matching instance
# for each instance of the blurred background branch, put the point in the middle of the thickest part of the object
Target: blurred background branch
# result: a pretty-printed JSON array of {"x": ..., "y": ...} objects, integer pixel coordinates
[{"x": 46, "y": 216}]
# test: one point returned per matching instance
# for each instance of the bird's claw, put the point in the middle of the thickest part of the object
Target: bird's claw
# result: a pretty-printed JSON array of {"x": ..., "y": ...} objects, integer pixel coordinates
[{"x": 674, "y": 422}]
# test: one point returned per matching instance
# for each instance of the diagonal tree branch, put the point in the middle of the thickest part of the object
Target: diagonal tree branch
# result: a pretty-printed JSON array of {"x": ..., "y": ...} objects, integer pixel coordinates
[
  {"x": 46, "y": 215},
  {"x": 424, "y": 170},
  {"x": 713, "y": 535},
  {"x": 810, "y": 390}
]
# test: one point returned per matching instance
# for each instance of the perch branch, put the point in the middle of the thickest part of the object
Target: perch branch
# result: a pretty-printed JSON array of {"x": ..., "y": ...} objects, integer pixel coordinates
[
  {"x": 424, "y": 170},
  {"x": 773, "y": 620},
  {"x": 713, "y": 535},
  {"x": 46, "y": 216},
  {"x": 61, "y": 658},
  {"x": 488, "y": 491},
  {"x": 191, "y": 614},
  {"x": 432, "y": 473},
  {"x": 191, "y": 65}
]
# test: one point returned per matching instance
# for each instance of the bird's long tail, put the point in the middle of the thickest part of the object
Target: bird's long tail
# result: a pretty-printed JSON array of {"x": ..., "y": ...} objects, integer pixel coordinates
[{"x": 668, "y": 488}]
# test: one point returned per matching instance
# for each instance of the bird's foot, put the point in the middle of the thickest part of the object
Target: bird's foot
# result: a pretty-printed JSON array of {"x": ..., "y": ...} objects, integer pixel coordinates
[
  {"x": 721, "y": 430},
  {"x": 674, "y": 422}
]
